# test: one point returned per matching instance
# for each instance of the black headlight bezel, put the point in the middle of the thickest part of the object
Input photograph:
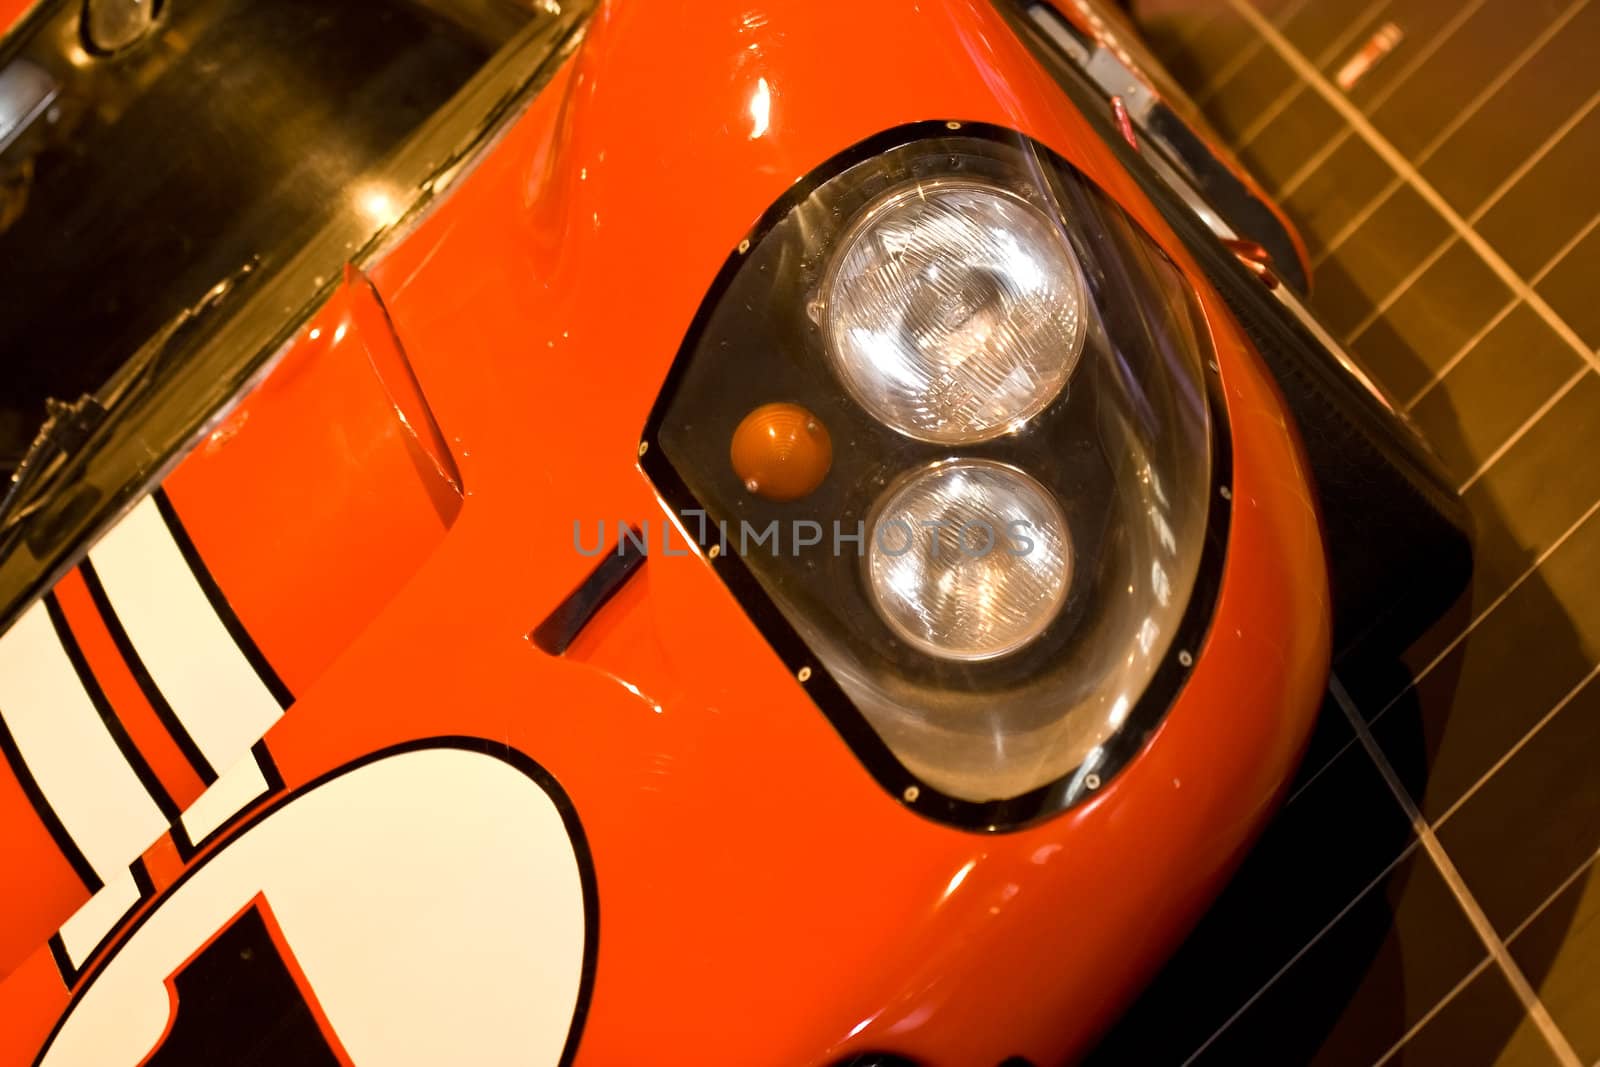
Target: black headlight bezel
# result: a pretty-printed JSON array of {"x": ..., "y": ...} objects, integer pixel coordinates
[{"x": 881, "y": 762}]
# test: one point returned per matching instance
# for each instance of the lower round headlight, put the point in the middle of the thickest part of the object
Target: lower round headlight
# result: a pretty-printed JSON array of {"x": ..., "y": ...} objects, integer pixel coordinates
[
  {"x": 969, "y": 559},
  {"x": 954, "y": 311}
]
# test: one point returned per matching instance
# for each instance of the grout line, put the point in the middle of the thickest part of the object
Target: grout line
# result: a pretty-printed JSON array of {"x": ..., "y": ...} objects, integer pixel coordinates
[
  {"x": 1264, "y": 117},
  {"x": 1279, "y": 973},
  {"x": 1360, "y": 124},
  {"x": 1328, "y": 54},
  {"x": 1436, "y": 42},
  {"x": 1472, "y": 624},
  {"x": 1534, "y": 157},
  {"x": 1519, "y": 61},
  {"x": 1445, "y": 32},
  {"x": 1516, "y": 435},
  {"x": 1312, "y": 164},
  {"x": 1267, "y": 114},
  {"x": 1561, "y": 253},
  {"x": 1477, "y": 215},
  {"x": 1537, "y": 1012},
  {"x": 1539, "y": 276},
  {"x": 1522, "y": 741},
  {"x": 1496, "y": 83},
  {"x": 1586, "y": 867},
  {"x": 1427, "y": 1017},
  {"x": 1212, "y": 85},
  {"x": 1329, "y": 762},
  {"x": 1400, "y": 289},
  {"x": 1343, "y": 233},
  {"x": 1403, "y": 167},
  {"x": 1484, "y": 614},
  {"x": 1461, "y": 353},
  {"x": 1407, "y": 173},
  {"x": 1535, "y": 728},
  {"x": 1336, "y": 46}
]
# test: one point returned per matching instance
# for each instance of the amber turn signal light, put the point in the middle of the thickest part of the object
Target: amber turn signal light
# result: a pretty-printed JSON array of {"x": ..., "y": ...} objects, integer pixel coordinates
[{"x": 781, "y": 451}]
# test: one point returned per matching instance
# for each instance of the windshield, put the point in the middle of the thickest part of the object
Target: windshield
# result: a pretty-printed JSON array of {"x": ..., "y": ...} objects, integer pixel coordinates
[
  {"x": 223, "y": 185},
  {"x": 224, "y": 135}
]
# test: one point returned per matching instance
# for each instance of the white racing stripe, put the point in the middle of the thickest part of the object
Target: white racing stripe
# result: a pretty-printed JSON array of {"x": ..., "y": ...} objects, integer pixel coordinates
[
  {"x": 209, "y": 682},
  {"x": 231, "y": 793},
  {"x": 69, "y": 752},
  {"x": 88, "y": 926},
  {"x": 213, "y": 687},
  {"x": 82, "y": 774}
]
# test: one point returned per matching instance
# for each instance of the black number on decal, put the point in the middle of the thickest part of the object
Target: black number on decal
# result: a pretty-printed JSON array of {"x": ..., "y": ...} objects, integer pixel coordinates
[{"x": 241, "y": 999}]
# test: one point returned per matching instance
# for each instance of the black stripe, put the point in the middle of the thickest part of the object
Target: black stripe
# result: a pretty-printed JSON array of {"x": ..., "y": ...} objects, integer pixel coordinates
[
  {"x": 147, "y": 684},
  {"x": 219, "y": 603},
  {"x": 267, "y": 765},
  {"x": 180, "y": 842},
  {"x": 189, "y": 848},
  {"x": 108, "y": 715},
  {"x": 47, "y": 815},
  {"x": 142, "y": 879},
  {"x": 64, "y": 967}
]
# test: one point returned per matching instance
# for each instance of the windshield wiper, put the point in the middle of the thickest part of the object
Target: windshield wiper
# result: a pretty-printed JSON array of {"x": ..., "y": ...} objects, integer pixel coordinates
[{"x": 67, "y": 427}]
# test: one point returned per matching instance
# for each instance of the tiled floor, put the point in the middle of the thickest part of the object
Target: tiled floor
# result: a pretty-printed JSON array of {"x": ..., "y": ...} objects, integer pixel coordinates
[{"x": 1430, "y": 895}]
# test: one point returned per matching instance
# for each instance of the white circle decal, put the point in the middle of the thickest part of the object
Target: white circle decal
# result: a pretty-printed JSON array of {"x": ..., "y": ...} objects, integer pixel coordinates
[{"x": 428, "y": 905}]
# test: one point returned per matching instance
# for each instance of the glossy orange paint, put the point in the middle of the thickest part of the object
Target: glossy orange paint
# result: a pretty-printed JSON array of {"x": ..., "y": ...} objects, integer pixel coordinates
[
  {"x": 38, "y": 888},
  {"x": 34, "y": 997},
  {"x": 318, "y": 494},
  {"x": 11, "y": 12},
  {"x": 762, "y": 900},
  {"x": 121, "y": 690}
]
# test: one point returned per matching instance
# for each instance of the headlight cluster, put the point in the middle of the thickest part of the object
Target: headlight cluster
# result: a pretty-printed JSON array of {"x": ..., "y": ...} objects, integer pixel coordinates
[{"x": 944, "y": 416}]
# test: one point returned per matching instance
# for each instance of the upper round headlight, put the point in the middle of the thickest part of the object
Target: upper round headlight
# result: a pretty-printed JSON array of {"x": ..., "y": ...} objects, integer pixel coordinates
[
  {"x": 953, "y": 311},
  {"x": 969, "y": 559}
]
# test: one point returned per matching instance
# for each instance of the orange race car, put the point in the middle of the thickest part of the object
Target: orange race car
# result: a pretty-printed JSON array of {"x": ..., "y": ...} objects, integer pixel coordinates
[{"x": 622, "y": 533}]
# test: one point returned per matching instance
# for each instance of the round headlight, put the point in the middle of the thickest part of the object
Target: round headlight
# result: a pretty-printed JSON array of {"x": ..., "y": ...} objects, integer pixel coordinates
[
  {"x": 953, "y": 311},
  {"x": 969, "y": 559}
]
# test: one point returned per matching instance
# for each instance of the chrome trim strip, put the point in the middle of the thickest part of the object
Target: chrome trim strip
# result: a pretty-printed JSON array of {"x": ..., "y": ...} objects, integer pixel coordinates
[{"x": 26, "y": 92}]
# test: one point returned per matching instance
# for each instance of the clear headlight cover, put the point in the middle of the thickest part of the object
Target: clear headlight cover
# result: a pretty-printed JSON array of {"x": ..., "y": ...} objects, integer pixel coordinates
[{"x": 986, "y": 337}]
